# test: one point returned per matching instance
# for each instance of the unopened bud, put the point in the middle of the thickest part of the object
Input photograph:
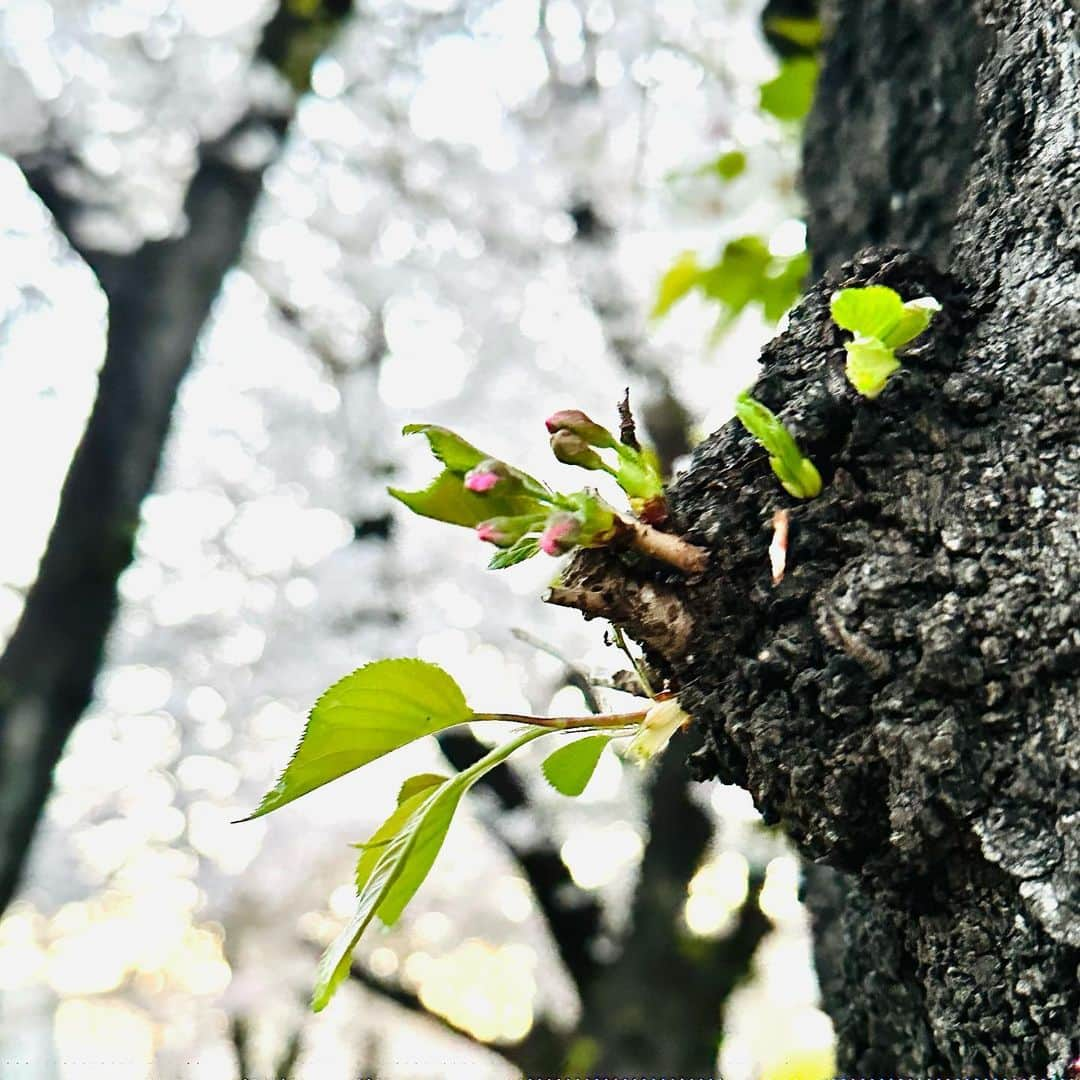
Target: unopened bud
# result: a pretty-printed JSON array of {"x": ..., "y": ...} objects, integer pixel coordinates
[
  {"x": 504, "y": 531},
  {"x": 577, "y": 423},
  {"x": 561, "y": 534},
  {"x": 572, "y": 449},
  {"x": 486, "y": 476}
]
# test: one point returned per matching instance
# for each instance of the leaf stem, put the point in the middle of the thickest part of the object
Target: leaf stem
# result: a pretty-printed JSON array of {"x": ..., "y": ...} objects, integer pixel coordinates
[{"x": 568, "y": 723}]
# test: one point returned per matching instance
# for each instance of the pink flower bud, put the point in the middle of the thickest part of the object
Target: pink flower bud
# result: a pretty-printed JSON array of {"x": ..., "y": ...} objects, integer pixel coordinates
[
  {"x": 504, "y": 531},
  {"x": 577, "y": 423},
  {"x": 561, "y": 534},
  {"x": 481, "y": 481},
  {"x": 572, "y": 449},
  {"x": 486, "y": 475}
]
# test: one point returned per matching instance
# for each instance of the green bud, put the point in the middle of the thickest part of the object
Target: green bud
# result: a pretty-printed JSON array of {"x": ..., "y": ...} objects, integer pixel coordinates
[{"x": 572, "y": 449}]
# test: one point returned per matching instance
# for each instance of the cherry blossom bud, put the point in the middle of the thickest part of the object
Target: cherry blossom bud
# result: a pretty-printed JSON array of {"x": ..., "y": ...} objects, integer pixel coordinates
[
  {"x": 660, "y": 723},
  {"x": 561, "y": 534},
  {"x": 486, "y": 476},
  {"x": 577, "y": 423},
  {"x": 572, "y": 449},
  {"x": 505, "y": 531}
]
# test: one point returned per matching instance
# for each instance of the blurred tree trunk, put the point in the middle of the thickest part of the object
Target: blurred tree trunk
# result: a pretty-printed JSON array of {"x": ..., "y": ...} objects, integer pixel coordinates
[
  {"x": 159, "y": 297},
  {"x": 906, "y": 701}
]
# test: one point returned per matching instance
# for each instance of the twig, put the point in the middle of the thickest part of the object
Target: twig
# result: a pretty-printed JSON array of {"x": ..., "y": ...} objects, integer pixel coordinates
[{"x": 666, "y": 547}]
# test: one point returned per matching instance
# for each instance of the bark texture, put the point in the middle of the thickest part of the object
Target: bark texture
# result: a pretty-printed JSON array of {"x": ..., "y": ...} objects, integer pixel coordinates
[{"x": 906, "y": 702}]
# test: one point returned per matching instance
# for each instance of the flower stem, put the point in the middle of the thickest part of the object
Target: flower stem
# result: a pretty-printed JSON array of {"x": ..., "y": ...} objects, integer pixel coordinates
[{"x": 568, "y": 723}]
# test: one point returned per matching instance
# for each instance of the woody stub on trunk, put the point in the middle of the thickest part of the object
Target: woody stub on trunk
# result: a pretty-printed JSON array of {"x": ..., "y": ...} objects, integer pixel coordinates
[{"x": 906, "y": 701}]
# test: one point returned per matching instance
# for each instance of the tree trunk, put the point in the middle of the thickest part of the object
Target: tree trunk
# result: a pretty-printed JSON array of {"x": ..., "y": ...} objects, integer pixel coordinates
[{"x": 906, "y": 700}]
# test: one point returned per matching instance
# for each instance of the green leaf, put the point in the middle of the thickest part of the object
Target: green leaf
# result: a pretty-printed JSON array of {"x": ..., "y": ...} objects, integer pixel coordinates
[
  {"x": 518, "y": 552},
  {"x": 914, "y": 320},
  {"x": 783, "y": 284},
  {"x": 367, "y": 714},
  {"x": 680, "y": 278},
  {"x": 871, "y": 311},
  {"x": 447, "y": 499},
  {"x": 401, "y": 863},
  {"x": 870, "y": 364},
  {"x": 429, "y": 823},
  {"x": 796, "y": 473},
  {"x": 805, "y": 32},
  {"x": 407, "y": 804},
  {"x": 596, "y": 517},
  {"x": 736, "y": 279},
  {"x": 432, "y": 822},
  {"x": 452, "y": 450},
  {"x": 569, "y": 769},
  {"x": 790, "y": 95},
  {"x": 881, "y": 323},
  {"x": 416, "y": 784}
]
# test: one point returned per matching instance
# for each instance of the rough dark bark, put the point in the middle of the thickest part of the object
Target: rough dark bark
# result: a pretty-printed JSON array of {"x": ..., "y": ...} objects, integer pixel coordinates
[
  {"x": 907, "y": 701},
  {"x": 159, "y": 297}
]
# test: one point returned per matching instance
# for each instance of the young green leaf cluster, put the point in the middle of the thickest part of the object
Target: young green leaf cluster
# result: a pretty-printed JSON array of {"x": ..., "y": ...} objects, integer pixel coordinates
[
  {"x": 797, "y": 474},
  {"x": 384, "y": 706},
  {"x": 746, "y": 273},
  {"x": 522, "y": 516},
  {"x": 882, "y": 323}
]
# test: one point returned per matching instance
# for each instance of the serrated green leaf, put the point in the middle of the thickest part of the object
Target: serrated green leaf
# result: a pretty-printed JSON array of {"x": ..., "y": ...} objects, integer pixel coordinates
[
  {"x": 790, "y": 95},
  {"x": 419, "y": 783},
  {"x": 680, "y": 278},
  {"x": 447, "y": 499},
  {"x": 365, "y": 715},
  {"x": 420, "y": 861},
  {"x": 870, "y": 364},
  {"x": 797, "y": 474},
  {"x": 401, "y": 864},
  {"x": 569, "y": 769},
  {"x": 452, "y": 450},
  {"x": 407, "y": 803},
  {"x": 518, "y": 552}
]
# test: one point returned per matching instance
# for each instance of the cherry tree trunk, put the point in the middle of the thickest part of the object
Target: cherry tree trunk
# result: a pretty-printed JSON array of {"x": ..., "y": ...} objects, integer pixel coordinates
[{"x": 906, "y": 701}]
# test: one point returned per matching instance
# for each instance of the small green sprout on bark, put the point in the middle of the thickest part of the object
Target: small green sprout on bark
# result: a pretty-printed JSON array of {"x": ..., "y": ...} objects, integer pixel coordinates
[
  {"x": 797, "y": 473},
  {"x": 881, "y": 323},
  {"x": 522, "y": 516}
]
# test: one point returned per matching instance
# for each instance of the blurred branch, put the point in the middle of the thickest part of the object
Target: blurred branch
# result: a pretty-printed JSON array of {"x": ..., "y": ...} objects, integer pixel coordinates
[
  {"x": 573, "y": 916},
  {"x": 159, "y": 298},
  {"x": 641, "y": 1033},
  {"x": 533, "y": 1055}
]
